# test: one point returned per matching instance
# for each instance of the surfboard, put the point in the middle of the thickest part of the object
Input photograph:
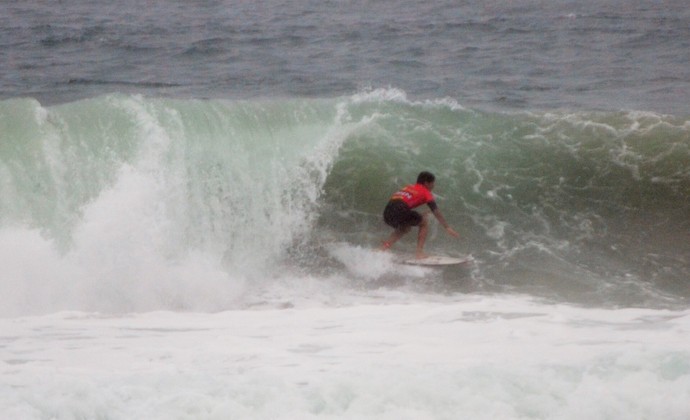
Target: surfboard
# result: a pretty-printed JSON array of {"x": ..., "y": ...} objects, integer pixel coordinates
[{"x": 438, "y": 260}]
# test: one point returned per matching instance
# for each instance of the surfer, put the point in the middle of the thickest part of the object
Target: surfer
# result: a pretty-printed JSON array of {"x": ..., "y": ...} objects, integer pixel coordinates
[{"x": 399, "y": 213}]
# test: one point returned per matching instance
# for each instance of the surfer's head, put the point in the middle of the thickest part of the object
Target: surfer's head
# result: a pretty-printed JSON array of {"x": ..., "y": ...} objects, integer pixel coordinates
[{"x": 427, "y": 179}]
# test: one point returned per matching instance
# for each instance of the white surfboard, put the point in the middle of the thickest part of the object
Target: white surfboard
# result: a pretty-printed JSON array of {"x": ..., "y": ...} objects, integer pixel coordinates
[{"x": 438, "y": 260}]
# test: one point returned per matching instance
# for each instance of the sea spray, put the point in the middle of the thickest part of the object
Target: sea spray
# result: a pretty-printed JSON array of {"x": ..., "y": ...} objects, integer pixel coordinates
[{"x": 162, "y": 203}]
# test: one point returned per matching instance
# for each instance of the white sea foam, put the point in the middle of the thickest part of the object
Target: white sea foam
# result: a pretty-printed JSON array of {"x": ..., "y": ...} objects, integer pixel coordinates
[
  {"x": 372, "y": 264},
  {"x": 471, "y": 357}
]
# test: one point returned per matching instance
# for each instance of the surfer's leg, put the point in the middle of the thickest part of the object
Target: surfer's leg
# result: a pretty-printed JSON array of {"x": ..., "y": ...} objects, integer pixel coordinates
[
  {"x": 395, "y": 236},
  {"x": 401, "y": 218},
  {"x": 421, "y": 237}
]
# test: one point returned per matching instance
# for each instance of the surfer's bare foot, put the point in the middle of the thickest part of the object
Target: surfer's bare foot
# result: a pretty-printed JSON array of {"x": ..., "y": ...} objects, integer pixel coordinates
[
  {"x": 385, "y": 246},
  {"x": 421, "y": 256}
]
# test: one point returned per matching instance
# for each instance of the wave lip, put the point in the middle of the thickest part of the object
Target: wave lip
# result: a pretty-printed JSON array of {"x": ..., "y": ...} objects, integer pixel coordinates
[{"x": 143, "y": 198}]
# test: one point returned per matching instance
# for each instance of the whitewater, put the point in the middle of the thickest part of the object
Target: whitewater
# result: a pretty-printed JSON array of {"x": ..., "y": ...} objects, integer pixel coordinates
[{"x": 191, "y": 199}]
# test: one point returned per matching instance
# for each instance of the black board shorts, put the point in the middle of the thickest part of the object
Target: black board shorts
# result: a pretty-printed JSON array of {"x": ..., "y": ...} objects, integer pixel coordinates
[{"x": 397, "y": 214}]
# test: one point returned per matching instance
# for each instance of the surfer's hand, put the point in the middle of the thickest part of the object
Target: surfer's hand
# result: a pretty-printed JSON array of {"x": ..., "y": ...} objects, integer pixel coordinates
[{"x": 452, "y": 232}]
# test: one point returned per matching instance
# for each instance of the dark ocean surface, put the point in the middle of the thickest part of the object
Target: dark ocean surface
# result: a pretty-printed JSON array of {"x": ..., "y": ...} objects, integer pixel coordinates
[{"x": 536, "y": 55}]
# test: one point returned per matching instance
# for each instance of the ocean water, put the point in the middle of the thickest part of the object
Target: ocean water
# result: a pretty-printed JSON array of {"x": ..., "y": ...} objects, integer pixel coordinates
[{"x": 191, "y": 198}]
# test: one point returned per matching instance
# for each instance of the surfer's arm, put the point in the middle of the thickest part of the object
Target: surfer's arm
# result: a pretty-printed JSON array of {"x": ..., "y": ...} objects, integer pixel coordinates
[{"x": 442, "y": 220}]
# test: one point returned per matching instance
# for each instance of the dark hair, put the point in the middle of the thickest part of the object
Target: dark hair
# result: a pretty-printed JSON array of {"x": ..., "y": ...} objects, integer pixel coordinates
[{"x": 425, "y": 177}]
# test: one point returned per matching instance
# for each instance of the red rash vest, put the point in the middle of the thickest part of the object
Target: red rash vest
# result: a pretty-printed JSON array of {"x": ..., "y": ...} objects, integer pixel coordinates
[{"x": 414, "y": 196}]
